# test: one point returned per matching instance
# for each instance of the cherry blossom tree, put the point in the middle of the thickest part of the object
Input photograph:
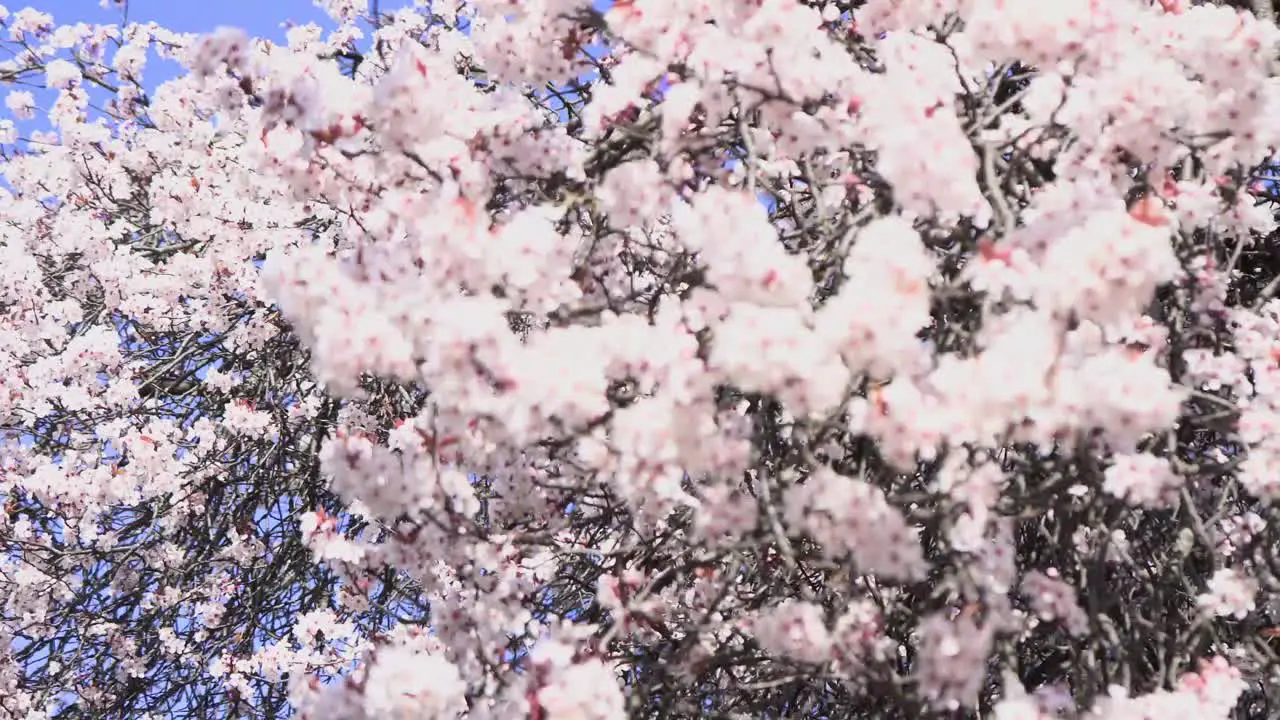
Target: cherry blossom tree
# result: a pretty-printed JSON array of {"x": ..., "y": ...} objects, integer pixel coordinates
[{"x": 716, "y": 358}]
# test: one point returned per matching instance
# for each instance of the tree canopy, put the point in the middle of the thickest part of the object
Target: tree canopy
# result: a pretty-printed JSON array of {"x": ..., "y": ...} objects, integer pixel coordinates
[{"x": 563, "y": 360}]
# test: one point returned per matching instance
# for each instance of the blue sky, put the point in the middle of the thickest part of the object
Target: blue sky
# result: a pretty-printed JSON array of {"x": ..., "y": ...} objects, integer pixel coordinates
[
  {"x": 263, "y": 18},
  {"x": 259, "y": 17}
]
